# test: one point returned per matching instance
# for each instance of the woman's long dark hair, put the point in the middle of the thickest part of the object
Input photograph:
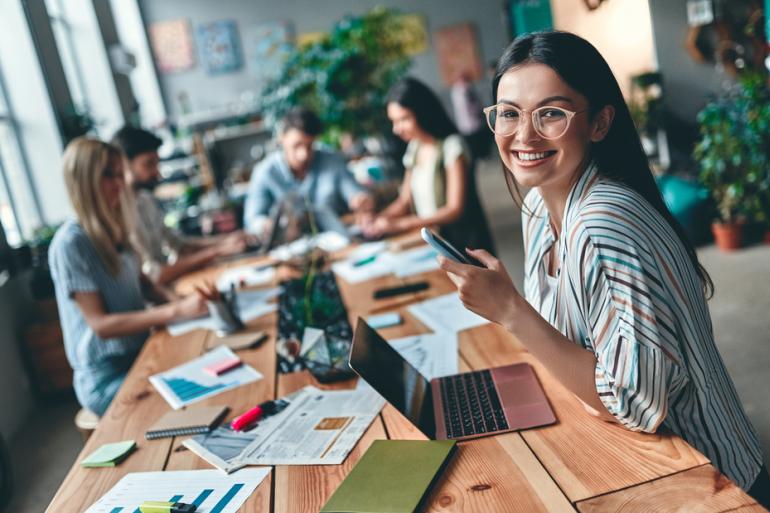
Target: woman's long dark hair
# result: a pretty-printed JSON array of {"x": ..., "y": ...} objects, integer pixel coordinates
[
  {"x": 430, "y": 114},
  {"x": 619, "y": 155}
]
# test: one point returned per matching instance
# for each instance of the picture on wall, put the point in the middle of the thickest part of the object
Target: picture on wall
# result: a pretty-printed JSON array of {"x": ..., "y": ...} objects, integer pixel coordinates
[
  {"x": 458, "y": 53},
  {"x": 172, "y": 45},
  {"x": 271, "y": 45},
  {"x": 218, "y": 47}
]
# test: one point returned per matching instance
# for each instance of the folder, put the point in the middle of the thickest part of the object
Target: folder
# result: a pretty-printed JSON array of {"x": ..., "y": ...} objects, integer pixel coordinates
[{"x": 393, "y": 476}]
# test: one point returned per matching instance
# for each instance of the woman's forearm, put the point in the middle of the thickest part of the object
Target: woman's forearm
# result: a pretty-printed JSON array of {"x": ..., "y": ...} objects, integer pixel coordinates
[
  {"x": 572, "y": 365},
  {"x": 130, "y": 323}
]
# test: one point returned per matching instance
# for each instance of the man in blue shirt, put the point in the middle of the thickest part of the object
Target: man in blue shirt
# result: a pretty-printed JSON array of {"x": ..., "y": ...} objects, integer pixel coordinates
[{"x": 319, "y": 175}]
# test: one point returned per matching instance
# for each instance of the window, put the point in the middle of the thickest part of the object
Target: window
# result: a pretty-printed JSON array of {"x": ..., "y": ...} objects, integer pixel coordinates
[
  {"x": 18, "y": 211},
  {"x": 86, "y": 64}
]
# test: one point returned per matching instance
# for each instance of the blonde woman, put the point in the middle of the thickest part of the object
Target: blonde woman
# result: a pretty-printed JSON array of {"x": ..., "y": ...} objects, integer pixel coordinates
[{"x": 100, "y": 290}]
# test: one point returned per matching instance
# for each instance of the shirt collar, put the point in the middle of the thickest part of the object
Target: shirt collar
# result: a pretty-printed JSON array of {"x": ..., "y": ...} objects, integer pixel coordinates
[{"x": 578, "y": 191}]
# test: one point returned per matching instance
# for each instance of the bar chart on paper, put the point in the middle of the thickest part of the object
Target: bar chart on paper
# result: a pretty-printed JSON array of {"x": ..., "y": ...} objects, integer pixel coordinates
[
  {"x": 189, "y": 382},
  {"x": 209, "y": 490}
]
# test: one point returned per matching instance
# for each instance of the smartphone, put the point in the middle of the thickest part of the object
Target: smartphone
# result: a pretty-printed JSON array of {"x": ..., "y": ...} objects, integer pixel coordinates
[{"x": 441, "y": 245}]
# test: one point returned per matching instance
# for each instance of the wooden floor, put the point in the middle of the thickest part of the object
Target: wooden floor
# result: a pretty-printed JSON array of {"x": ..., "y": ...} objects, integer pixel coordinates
[{"x": 580, "y": 463}]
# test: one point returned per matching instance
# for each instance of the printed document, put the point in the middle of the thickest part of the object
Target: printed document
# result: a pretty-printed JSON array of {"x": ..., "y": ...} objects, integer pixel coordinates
[
  {"x": 434, "y": 354},
  {"x": 319, "y": 427},
  {"x": 446, "y": 314}
]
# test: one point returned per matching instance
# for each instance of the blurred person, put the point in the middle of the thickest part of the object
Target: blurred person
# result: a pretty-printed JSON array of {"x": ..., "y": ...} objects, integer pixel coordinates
[
  {"x": 615, "y": 301},
  {"x": 317, "y": 175},
  {"x": 100, "y": 289},
  {"x": 439, "y": 187},
  {"x": 469, "y": 116},
  {"x": 166, "y": 254}
]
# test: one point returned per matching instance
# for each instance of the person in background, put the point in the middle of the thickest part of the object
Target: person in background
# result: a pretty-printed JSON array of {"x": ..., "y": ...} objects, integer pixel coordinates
[
  {"x": 614, "y": 301},
  {"x": 469, "y": 117},
  {"x": 318, "y": 175},
  {"x": 166, "y": 254},
  {"x": 439, "y": 187},
  {"x": 100, "y": 289}
]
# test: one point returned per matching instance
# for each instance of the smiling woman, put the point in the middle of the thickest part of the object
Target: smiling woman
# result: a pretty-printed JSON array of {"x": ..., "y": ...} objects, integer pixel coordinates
[{"x": 614, "y": 299}]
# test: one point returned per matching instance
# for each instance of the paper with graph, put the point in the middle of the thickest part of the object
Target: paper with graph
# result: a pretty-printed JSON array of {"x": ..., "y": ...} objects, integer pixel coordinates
[
  {"x": 190, "y": 383},
  {"x": 210, "y": 490}
]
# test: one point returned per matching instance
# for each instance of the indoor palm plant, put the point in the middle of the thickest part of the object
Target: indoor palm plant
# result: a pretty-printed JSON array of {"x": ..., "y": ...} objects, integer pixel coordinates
[{"x": 733, "y": 154}]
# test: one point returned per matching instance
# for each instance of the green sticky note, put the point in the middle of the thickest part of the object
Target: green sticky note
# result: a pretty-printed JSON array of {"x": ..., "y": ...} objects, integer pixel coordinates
[{"x": 109, "y": 455}]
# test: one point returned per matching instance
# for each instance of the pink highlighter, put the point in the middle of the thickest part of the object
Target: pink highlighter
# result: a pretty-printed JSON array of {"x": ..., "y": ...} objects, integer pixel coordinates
[
  {"x": 219, "y": 368},
  {"x": 253, "y": 415}
]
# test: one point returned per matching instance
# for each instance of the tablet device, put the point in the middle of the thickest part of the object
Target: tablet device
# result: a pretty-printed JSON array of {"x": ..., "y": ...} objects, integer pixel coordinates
[{"x": 444, "y": 248}]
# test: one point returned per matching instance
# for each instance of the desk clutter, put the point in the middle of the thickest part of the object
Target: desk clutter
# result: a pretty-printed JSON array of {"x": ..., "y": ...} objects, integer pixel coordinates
[{"x": 315, "y": 427}]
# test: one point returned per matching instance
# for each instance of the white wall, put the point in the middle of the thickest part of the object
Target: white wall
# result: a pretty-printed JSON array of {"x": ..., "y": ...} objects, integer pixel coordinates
[
  {"x": 208, "y": 92},
  {"x": 620, "y": 29}
]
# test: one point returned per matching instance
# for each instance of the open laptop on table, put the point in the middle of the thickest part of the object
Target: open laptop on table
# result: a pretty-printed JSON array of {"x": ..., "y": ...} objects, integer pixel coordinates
[{"x": 457, "y": 407}]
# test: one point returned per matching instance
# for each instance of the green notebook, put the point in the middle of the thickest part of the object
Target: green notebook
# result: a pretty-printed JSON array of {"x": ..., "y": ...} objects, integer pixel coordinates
[{"x": 394, "y": 476}]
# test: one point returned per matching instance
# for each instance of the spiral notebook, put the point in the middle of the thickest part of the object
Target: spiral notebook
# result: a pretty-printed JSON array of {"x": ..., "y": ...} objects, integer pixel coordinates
[{"x": 191, "y": 421}]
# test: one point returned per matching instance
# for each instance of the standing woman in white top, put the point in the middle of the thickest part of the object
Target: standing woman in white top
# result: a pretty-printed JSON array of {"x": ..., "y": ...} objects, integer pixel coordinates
[
  {"x": 439, "y": 187},
  {"x": 614, "y": 301}
]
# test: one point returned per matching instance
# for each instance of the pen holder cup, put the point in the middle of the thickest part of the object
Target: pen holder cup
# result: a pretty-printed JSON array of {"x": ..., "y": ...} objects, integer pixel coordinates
[{"x": 226, "y": 320}]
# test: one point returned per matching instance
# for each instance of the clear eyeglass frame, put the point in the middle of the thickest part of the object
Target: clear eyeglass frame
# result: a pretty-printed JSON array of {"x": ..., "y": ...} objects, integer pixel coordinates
[{"x": 534, "y": 119}]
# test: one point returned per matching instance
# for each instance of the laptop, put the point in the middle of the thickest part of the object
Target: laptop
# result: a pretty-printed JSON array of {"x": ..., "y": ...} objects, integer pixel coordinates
[{"x": 457, "y": 407}]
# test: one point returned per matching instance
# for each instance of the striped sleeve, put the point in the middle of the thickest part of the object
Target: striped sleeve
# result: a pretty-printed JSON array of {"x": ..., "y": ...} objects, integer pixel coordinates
[{"x": 634, "y": 371}]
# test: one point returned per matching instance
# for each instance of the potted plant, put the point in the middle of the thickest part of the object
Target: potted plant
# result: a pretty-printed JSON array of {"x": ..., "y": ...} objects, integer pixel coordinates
[
  {"x": 733, "y": 156},
  {"x": 345, "y": 76}
]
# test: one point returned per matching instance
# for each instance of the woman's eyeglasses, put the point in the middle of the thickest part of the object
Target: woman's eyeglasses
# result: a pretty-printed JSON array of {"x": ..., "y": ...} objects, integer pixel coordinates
[{"x": 549, "y": 122}]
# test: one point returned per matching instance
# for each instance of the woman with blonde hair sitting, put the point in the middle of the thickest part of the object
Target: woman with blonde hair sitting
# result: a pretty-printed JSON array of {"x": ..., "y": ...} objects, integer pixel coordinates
[{"x": 100, "y": 290}]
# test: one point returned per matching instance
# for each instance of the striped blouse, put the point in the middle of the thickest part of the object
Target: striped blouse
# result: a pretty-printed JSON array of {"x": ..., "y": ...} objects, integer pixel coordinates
[{"x": 627, "y": 291}]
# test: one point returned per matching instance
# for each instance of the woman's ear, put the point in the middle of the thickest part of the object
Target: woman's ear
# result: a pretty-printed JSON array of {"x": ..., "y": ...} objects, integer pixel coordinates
[{"x": 602, "y": 123}]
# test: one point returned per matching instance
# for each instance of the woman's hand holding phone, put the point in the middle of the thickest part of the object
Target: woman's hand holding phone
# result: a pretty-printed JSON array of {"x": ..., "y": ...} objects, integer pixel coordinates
[{"x": 487, "y": 291}]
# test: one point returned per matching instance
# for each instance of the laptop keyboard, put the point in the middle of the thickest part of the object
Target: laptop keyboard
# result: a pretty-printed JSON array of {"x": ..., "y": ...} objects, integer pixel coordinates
[{"x": 471, "y": 404}]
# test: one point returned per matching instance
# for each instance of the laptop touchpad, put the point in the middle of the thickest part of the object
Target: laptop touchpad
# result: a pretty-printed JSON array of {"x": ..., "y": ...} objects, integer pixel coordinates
[{"x": 519, "y": 392}]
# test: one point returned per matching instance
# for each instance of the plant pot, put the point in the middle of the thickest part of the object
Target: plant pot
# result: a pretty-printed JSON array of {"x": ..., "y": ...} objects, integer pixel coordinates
[
  {"x": 728, "y": 236},
  {"x": 766, "y": 237}
]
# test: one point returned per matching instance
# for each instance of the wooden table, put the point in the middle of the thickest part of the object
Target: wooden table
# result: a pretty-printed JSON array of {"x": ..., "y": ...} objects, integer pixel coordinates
[{"x": 578, "y": 464}]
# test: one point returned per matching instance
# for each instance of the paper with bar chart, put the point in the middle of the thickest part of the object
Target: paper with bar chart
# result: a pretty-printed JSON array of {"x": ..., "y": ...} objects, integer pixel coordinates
[
  {"x": 210, "y": 490},
  {"x": 189, "y": 382}
]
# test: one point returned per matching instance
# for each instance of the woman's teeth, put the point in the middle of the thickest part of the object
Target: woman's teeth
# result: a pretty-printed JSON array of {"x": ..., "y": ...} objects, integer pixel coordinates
[{"x": 532, "y": 156}]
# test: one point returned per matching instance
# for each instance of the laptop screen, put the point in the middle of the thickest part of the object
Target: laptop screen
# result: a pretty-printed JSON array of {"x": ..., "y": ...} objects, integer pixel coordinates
[{"x": 372, "y": 358}]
